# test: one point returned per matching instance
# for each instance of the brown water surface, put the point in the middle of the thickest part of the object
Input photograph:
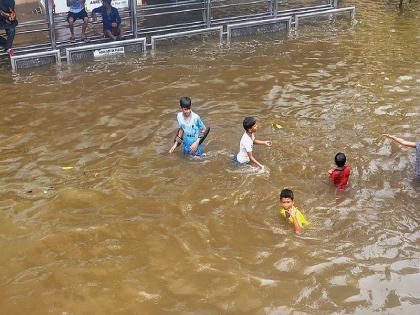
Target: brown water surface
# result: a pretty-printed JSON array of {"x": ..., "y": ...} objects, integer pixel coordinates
[{"x": 97, "y": 218}]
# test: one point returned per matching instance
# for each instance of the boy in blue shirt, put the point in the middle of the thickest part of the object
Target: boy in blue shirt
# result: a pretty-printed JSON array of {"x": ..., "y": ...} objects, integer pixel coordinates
[
  {"x": 111, "y": 20},
  {"x": 191, "y": 129}
]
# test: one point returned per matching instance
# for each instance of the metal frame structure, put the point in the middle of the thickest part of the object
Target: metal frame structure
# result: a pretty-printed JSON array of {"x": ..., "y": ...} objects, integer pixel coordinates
[
  {"x": 108, "y": 45},
  {"x": 182, "y": 18},
  {"x": 14, "y": 60},
  {"x": 157, "y": 38},
  {"x": 333, "y": 11},
  {"x": 282, "y": 20}
]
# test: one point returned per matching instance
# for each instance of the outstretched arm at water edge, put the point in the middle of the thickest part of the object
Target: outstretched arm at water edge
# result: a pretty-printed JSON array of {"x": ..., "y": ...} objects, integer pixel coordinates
[
  {"x": 251, "y": 157},
  {"x": 400, "y": 140},
  {"x": 268, "y": 143}
]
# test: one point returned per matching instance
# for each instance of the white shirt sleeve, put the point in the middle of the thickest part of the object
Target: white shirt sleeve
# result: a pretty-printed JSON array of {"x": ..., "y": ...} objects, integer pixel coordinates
[
  {"x": 248, "y": 144},
  {"x": 179, "y": 118}
]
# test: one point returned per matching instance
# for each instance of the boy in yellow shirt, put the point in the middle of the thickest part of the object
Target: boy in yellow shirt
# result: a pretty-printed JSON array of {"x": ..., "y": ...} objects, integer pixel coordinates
[{"x": 290, "y": 212}]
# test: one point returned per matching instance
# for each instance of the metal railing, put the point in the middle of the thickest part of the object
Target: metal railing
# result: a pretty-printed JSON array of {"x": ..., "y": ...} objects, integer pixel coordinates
[{"x": 188, "y": 17}]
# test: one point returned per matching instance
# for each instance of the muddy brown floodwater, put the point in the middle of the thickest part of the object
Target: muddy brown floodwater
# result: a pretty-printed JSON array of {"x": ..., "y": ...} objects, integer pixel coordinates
[{"x": 97, "y": 218}]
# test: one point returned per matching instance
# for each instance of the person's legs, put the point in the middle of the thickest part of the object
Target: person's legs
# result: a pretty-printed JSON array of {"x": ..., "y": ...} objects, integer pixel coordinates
[
  {"x": 108, "y": 33},
  {"x": 71, "y": 20},
  {"x": 10, "y": 32},
  {"x": 119, "y": 32},
  {"x": 2, "y": 41},
  {"x": 116, "y": 32},
  {"x": 84, "y": 27}
]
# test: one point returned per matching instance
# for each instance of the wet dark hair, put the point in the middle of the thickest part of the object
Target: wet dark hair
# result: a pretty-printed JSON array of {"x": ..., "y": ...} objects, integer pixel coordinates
[
  {"x": 340, "y": 159},
  {"x": 185, "y": 102},
  {"x": 249, "y": 122},
  {"x": 286, "y": 193},
  {"x": 107, "y": 1}
]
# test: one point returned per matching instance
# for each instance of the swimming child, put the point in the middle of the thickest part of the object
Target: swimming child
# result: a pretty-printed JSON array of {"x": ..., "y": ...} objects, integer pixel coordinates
[
  {"x": 192, "y": 130},
  {"x": 340, "y": 175},
  {"x": 247, "y": 143},
  {"x": 290, "y": 212},
  {"x": 409, "y": 144}
]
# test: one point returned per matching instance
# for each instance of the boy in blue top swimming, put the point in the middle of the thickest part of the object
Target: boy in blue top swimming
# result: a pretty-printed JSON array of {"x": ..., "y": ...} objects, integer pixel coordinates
[{"x": 192, "y": 130}]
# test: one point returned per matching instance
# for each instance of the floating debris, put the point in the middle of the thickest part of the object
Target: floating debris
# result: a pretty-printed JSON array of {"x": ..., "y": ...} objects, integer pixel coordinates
[{"x": 66, "y": 168}]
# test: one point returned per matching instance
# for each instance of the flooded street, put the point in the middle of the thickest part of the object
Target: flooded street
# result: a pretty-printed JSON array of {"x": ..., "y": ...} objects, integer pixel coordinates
[{"x": 97, "y": 218}]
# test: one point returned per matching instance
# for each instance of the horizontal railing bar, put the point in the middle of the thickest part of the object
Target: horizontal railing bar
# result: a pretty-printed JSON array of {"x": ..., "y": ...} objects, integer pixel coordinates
[
  {"x": 317, "y": 7},
  {"x": 234, "y": 18},
  {"x": 236, "y": 4},
  {"x": 169, "y": 27},
  {"x": 341, "y": 10},
  {"x": 167, "y": 5},
  {"x": 34, "y": 31},
  {"x": 332, "y": 11},
  {"x": 186, "y": 33},
  {"x": 32, "y": 23},
  {"x": 171, "y": 12}
]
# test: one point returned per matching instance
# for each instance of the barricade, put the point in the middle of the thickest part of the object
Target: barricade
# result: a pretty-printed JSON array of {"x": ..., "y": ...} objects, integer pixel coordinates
[
  {"x": 262, "y": 26},
  {"x": 35, "y": 59},
  {"x": 156, "y": 38},
  {"x": 105, "y": 49},
  {"x": 328, "y": 12}
]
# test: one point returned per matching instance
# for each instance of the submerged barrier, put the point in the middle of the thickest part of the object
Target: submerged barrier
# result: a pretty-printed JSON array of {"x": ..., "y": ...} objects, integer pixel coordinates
[
  {"x": 146, "y": 25},
  {"x": 352, "y": 11},
  {"x": 259, "y": 26},
  {"x": 105, "y": 49},
  {"x": 35, "y": 59},
  {"x": 218, "y": 30}
]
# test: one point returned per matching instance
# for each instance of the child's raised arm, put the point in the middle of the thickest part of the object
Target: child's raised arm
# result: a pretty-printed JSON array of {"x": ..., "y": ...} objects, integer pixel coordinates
[
  {"x": 298, "y": 228},
  {"x": 400, "y": 140},
  {"x": 268, "y": 143}
]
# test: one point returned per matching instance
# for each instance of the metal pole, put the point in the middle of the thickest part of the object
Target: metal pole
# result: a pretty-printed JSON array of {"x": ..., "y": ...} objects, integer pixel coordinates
[
  {"x": 51, "y": 24},
  {"x": 208, "y": 17},
  {"x": 270, "y": 6},
  {"x": 276, "y": 7},
  {"x": 133, "y": 12},
  {"x": 335, "y": 3}
]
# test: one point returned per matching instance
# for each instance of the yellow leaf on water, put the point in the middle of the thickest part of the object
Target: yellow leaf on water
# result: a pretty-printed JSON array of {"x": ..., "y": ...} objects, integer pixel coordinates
[
  {"x": 278, "y": 126},
  {"x": 67, "y": 168}
]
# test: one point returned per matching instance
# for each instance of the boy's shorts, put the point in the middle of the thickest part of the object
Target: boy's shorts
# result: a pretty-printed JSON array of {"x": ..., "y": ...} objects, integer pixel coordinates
[
  {"x": 187, "y": 150},
  {"x": 79, "y": 15},
  {"x": 235, "y": 160}
]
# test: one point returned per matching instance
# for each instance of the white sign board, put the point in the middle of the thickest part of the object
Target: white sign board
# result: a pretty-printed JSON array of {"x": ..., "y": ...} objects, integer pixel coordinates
[
  {"x": 92, "y": 4},
  {"x": 108, "y": 52}
]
